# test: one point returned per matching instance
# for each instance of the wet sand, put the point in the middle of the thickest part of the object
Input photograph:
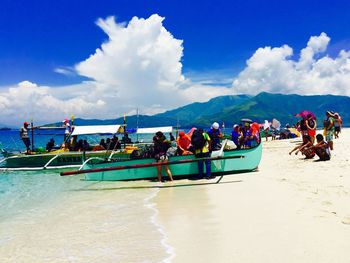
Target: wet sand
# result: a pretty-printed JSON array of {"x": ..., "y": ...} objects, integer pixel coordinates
[{"x": 290, "y": 210}]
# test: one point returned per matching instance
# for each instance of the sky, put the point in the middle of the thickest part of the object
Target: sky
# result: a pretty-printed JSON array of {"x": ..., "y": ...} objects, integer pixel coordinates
[{"x": 101, "y": 59}]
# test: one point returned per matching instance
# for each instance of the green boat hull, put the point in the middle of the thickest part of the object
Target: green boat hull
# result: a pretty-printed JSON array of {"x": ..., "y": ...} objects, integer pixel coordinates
[{"x": 233, "y": 161}]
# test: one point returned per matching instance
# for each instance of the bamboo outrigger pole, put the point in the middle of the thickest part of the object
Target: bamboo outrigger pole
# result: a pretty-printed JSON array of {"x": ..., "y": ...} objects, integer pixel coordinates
[{"x": 137, "y": 166}]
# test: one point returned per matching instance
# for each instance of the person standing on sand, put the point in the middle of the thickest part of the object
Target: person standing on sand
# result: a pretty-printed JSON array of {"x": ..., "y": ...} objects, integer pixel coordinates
[
  {"x": 161, "y": 145},
  {"x": 201, "y": 143},
  {"x": 329, "y": 128},
  {"x": 311, "y": 125},
  {"x": 337, "y": 125},
  {"x": 23, "y": 134}
]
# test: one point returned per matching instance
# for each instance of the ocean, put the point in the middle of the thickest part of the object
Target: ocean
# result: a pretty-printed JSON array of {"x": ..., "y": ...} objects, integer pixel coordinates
[{"x": 48, "y": 218}]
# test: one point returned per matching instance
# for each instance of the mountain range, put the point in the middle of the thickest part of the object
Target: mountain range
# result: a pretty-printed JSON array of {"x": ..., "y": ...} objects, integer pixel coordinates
[{"x": 231, "y": 109}]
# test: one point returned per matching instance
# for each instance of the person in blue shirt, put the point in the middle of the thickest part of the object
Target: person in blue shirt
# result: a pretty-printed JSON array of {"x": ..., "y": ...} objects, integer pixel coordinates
[
  {"x": 237, "y": 136},
  {"x": 247, "y": 135},
  {"x": 215, "y": 136}
]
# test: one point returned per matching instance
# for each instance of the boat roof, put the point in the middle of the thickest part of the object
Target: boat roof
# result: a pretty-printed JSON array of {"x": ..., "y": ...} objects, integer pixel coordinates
[
  {"x": 96, "y": 129},
  {"x": 154, "y": 129}
]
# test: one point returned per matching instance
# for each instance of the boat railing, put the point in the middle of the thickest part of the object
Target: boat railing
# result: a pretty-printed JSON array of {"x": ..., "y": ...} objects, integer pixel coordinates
[
  {"x": 51, "y": 160},
  {"x": 90, "y": 159}
]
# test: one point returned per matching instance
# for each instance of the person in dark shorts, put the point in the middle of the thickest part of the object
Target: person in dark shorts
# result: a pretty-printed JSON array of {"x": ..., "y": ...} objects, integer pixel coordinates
[
  {"x": 161, "y": 145},
  {"x": 23, "y": 134},
  {"x": 322, "y": 148}
]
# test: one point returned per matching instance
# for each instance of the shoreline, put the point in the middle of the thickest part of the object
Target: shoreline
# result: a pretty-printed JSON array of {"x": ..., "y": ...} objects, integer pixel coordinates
[{"x": 290, "y": 210}]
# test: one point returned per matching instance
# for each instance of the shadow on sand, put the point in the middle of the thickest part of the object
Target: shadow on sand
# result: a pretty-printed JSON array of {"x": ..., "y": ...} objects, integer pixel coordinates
[{"x": 158, "y": 186}]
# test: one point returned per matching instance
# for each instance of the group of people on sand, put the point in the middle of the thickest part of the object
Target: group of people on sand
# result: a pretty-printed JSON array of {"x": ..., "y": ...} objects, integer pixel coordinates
[
  {"x": 320, "y": 144},
  {"x": 201, "y": 143},
  {"x": 196, "y": 141}
]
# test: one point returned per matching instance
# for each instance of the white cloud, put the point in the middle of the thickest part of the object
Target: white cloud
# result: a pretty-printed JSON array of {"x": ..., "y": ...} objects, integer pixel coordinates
[
  {"x": 139, "y": 66},
  {"x": 274, "y": 70},
  {"x": 27, "y": 100}
]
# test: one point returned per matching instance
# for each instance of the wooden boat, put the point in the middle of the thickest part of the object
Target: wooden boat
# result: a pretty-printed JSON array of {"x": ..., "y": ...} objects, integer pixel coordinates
[
  {"x": 64, "y": 159},
  {"x": 222, "y": 162},
  {"x": 73, "y": 159}
]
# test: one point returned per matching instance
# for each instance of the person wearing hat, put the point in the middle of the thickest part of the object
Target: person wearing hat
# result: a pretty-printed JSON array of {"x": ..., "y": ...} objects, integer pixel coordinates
[
  {"x": 329, "y": 128},
  {"x": 215, "y": 136},
  {"x": 68, "y": 129},
  {"x": 23, "y": 134},
  {"x": 183, "y": 143}
]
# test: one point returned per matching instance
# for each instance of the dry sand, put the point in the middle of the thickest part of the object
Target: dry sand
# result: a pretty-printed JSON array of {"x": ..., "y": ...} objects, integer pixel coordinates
[{"x": 291, "y": 210}]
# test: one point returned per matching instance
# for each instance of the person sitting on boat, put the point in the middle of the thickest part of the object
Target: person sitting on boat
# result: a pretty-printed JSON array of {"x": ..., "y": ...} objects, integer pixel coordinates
[
  {"x": 247, "y": 135},
  {"x": 201, "y": 143},
  {"x": 126, "y": 138},
  {"x": 50, "y": 145},
  {"x": 215, "y": 135},
  {"x": 237, "y": 136},
  {"x": 86, "y": 145},
  {"x": 103, "y": 144},
  {"x": 161, "y": 145},
  {"x": 68, "y": 128},
  {"x": 73, "y": 143},
  {"x": 115, "y": 143},
  {"x": 25, "y": 137},
  {"x": 183, "y": 143}
]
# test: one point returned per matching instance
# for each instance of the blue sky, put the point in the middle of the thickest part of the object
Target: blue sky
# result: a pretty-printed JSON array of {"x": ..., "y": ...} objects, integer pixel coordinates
[
  {"x": 38, "y": 36},
  {"x": 101, "y": 59}
]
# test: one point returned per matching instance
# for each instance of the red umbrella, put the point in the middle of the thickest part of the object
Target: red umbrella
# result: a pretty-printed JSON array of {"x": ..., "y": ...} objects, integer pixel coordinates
[{"x": 305, "y": 113}]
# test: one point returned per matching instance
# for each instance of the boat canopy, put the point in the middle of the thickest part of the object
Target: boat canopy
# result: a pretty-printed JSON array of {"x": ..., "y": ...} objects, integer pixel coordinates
[
  {"x": 96, "y": 129},
  {"x": 154, "y": 130}
]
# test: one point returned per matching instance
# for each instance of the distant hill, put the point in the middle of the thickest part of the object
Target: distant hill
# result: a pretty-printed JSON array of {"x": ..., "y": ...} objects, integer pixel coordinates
[
  {"x": 230, "y": 109},
  {"x": 282, "y": 107}
]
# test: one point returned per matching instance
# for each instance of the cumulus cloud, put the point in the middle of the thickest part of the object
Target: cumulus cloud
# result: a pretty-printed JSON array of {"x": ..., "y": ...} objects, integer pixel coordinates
[
  {"x": 139, "y": 66},
  {"x": 274, "y": 70},
  {"x": 27, "y": 100}
]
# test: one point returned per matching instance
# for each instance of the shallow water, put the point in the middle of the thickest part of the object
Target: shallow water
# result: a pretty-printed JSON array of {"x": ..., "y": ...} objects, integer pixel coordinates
[{"x": 48, "y": 218}]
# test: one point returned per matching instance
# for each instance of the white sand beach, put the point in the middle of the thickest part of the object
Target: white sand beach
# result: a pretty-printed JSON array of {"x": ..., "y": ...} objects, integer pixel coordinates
[{"x": 291, "y": 210}]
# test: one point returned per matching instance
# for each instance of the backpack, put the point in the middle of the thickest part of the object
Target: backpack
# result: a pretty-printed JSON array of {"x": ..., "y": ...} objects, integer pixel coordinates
[{"x": 197, "y": 140}]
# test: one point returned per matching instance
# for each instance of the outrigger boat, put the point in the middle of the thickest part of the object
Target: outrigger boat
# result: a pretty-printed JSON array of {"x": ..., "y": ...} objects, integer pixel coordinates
[
  {"x": 75, "y": 159},
  {"x": 59, "y": 159},
  {"x": 223, "y": 162}
]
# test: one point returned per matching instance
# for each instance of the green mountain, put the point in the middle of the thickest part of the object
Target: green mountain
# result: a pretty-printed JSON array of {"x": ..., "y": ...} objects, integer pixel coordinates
[{"x": 230, "y": 109}]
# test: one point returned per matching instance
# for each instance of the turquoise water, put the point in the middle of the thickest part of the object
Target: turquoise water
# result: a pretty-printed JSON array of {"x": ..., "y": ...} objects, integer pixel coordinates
[{"x": 48, "y": 218}]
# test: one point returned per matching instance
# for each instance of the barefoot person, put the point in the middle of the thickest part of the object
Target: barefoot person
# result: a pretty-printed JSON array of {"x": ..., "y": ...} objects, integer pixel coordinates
[
  {"x": 23, "y": 134},
  {"x": 322, "y": 148},
  {"x": 311, "y": 125},
  {"x": 329, "y": 128},
  {"x": 337, "y": 125},
  {"x": 161, "y": 145},
  {"x": 306, "y": 143}
]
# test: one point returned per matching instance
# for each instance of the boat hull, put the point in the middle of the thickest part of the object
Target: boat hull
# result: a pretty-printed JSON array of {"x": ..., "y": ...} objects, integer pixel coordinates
[{"x": 233, "y": 161}]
